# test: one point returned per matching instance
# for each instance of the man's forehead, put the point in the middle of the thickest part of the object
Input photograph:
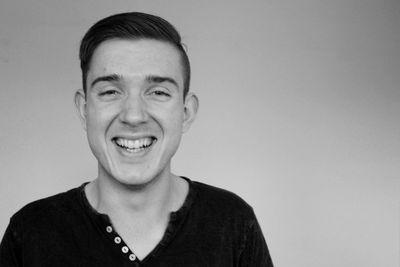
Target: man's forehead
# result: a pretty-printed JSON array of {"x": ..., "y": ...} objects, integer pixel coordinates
[{"x": 143, "y": 57}]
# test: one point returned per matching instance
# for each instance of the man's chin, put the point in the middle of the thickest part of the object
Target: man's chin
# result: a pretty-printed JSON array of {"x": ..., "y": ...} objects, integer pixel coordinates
[{"x": 134, "y": 175}]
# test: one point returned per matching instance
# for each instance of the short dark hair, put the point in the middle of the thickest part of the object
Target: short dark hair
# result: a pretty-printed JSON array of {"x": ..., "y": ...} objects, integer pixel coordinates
[{"x": 132, "y": 25}]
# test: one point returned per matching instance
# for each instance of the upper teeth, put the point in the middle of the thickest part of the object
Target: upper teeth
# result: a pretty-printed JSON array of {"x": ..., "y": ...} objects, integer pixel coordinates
[{"x": 134, "y": 144}]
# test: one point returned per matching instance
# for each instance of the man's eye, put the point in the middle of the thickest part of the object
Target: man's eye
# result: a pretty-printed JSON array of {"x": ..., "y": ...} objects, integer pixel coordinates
[
  {"x": 160, "y": 93},
  {"x": 108, "y": 93}
]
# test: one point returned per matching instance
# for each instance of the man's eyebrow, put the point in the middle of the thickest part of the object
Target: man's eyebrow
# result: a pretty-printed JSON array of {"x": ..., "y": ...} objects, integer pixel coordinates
[
  {"x": 106, "y": 78},
  {"x": 160, "y": 79}
]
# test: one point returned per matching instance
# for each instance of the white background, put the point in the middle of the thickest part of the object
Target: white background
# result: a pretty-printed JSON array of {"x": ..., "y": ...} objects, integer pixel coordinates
[{"x": 299, "y": 115}]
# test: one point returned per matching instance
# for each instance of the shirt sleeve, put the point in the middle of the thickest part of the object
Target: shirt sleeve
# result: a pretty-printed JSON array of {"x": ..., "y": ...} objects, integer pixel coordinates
[
  {"x": 9, "y": 248},
  {"x": 255, "y": 252}
]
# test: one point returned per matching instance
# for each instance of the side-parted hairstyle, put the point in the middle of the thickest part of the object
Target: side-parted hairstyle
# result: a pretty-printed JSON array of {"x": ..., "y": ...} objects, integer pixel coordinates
[{"x": 132, "y": 25}]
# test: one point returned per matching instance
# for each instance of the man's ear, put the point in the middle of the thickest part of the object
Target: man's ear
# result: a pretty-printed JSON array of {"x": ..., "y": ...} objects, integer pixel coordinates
[
  {"x": 80, "y": 104},
  {"x": 190, "y": 111}
]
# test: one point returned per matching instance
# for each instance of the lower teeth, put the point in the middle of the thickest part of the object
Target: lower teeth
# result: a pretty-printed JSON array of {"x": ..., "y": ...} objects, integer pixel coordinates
[{"x": 134, "y": 149}]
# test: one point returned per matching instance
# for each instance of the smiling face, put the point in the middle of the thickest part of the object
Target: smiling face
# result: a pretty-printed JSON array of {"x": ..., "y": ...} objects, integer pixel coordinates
[{"x": 134, "y": 112}]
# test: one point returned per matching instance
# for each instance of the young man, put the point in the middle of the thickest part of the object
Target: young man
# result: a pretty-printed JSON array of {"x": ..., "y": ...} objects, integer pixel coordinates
[{"x": 135, "y": 104}]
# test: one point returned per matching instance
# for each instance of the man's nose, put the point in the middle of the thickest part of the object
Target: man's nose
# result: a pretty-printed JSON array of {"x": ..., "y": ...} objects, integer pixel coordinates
[{"x": 134, "y": 110}]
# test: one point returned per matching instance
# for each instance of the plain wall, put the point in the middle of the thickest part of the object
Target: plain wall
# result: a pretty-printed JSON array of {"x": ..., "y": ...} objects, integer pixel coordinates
[{"x": 299, "y": 115}]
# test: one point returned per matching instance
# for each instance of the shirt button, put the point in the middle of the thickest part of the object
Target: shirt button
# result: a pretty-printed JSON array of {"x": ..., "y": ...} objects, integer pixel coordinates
[
  {"x": 109, "y": 229},
  {"x": 125, "y": 249},
  {"x": 132, "y": 257},
  {"x": 117, "y": 240}
]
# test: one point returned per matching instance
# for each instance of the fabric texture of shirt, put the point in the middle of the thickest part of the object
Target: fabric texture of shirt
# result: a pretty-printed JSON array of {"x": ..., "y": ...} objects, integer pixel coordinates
[{"x": 214, "y": 227}]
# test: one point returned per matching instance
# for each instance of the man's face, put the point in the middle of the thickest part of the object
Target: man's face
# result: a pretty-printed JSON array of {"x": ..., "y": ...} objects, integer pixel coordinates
[{"x": 134, "y": 112}]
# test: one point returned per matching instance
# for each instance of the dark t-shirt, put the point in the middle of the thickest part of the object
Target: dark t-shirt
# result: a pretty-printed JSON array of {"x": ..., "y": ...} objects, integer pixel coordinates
[{"x": 214, "y": 227}]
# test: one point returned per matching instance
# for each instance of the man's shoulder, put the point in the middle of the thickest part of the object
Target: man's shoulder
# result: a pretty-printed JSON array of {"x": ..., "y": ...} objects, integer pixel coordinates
[
  {"x": 217, "y": 198},
  {"x": 43, "y": 208}
]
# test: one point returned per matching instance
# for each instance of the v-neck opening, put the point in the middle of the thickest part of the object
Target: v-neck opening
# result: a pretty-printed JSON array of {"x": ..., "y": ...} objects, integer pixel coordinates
[{"x": 176, "y": 219}]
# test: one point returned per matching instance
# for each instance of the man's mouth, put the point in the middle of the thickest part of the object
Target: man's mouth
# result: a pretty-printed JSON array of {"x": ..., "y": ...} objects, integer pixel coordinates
[{"x": 134, "y": 145}]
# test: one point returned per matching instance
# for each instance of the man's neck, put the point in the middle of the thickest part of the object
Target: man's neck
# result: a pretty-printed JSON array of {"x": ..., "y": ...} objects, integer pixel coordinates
[
  {"x": 139, "y": 215},
  {"x": 152, "y": 201}
]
